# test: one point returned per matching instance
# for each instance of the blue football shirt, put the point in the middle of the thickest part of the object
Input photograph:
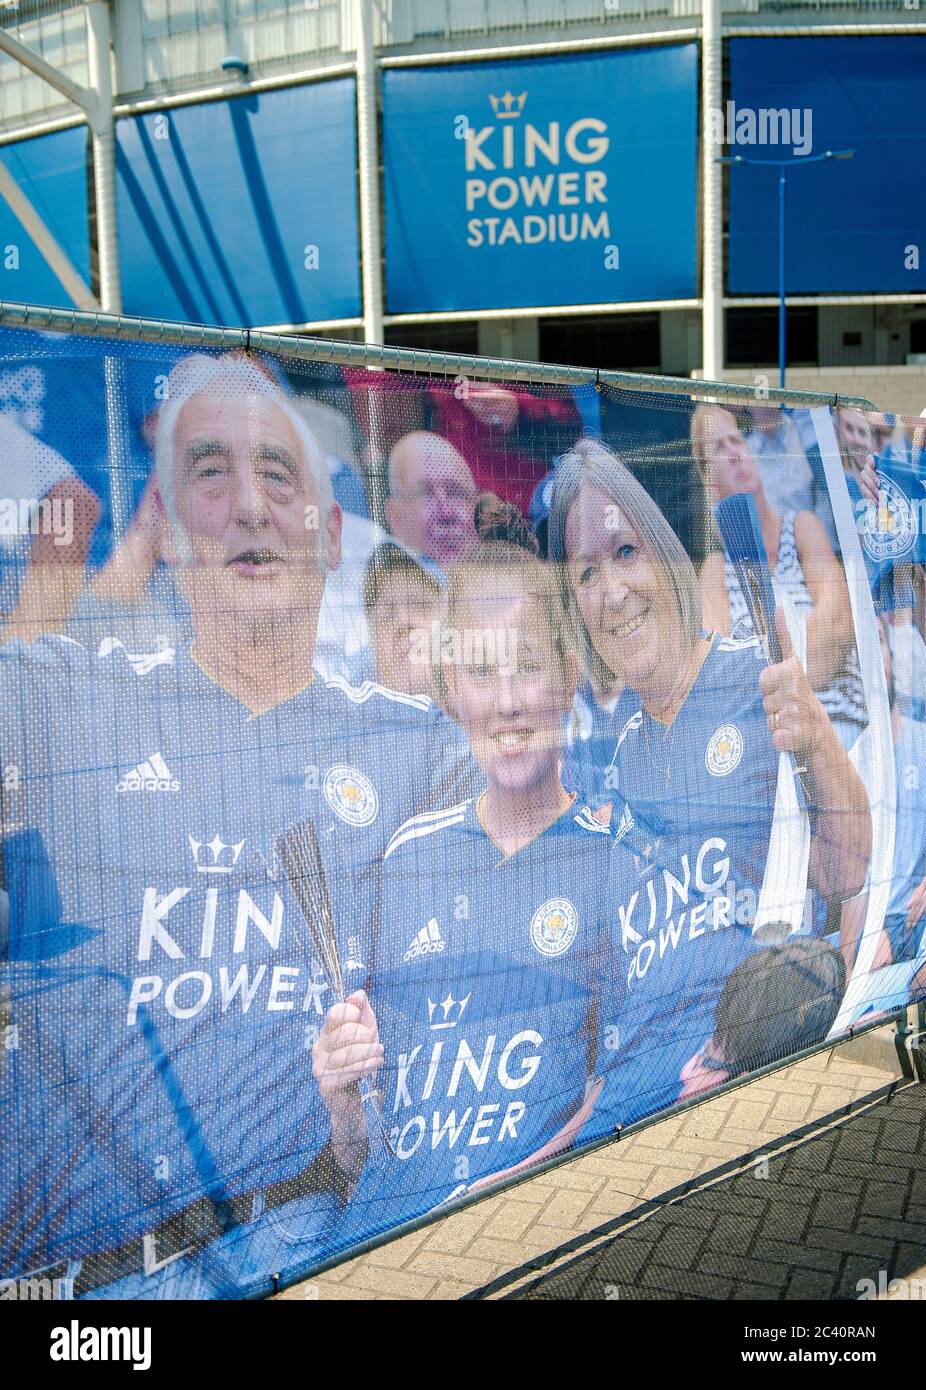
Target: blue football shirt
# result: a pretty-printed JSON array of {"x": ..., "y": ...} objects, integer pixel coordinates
[
  {"x": 891, "y": 532},
  {"x": 165, "y": 986},
  {"x": 698, "y": 800},
  {"x": 485, "y": 983}
]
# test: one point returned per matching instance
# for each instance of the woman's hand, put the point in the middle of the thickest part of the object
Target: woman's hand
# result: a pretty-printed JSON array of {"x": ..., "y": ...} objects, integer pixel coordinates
[
  {"x": 347, "y": 1049},
  {"x": 841, "y": 844},
  {"x": 916, "y": 909},
  {"x": 796, "y": 719}
]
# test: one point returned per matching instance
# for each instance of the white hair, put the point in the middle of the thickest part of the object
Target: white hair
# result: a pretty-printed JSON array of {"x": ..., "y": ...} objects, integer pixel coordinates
[{"x": 231, "y": 377}]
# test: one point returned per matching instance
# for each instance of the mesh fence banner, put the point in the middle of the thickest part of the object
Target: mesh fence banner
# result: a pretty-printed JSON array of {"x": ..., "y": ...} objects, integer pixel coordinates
[{"x": 407, "y": 780}]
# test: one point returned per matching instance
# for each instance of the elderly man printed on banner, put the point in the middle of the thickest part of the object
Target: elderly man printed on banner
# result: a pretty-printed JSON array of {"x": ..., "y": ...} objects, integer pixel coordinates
[{"x": 135, "y": 599}]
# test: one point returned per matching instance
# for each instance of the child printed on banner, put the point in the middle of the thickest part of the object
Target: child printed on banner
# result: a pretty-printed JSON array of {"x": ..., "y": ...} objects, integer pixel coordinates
[{"x": 479, "y": 1015}]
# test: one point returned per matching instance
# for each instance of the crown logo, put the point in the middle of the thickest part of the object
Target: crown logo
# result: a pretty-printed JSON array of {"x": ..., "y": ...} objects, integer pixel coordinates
[
  {"x": 450, "y": 1010},
  {"x": 645, "y": 856},
  {"x": 509, "y": 106},
  {"x": 224, "y": 857}
]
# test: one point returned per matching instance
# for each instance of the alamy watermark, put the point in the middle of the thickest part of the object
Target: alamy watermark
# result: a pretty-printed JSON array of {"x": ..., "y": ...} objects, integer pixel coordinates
[
  {"x": 769, "y": 125},
  {"x": 32, "y": 516},
  {"x": 466, "y": 646},
  {"x": 883, "y": 1287},
  {"x": 77, "y": 1343},
  {"x": 36, "y": 1289}
]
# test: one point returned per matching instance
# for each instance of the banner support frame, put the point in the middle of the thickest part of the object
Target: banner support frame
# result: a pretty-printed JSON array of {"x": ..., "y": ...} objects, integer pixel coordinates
[{"x": 344, "y": 353}]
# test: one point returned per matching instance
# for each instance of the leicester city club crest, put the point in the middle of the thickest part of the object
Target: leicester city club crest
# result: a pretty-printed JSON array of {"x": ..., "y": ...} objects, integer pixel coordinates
[
  {"x": 351, "y": 795},
  {"x": 724, "y": 750},
  {"x": 554, "y": 926},
  {"x": 890, "y": 524}
]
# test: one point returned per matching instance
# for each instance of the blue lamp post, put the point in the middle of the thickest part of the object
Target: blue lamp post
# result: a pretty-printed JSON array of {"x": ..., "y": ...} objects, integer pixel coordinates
[{"x": 782, "y": 165}]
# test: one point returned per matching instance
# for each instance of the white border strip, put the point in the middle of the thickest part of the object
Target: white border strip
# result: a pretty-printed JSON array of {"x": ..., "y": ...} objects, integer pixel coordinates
[{"x": 883, "y": 798}]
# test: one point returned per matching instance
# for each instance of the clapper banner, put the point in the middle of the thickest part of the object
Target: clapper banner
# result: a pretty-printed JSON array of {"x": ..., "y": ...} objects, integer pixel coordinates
[{"x": 408, "y": 779}]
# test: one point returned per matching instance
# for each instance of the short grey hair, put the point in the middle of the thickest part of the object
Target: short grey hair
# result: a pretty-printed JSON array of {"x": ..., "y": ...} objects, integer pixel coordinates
[
  {"x": 236, "y": 376},
  {"x": 590, "y": 461}
]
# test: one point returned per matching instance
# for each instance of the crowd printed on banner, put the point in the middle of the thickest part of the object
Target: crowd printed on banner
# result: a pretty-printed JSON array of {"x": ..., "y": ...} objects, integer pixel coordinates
[{"x": 233, "y": 835}]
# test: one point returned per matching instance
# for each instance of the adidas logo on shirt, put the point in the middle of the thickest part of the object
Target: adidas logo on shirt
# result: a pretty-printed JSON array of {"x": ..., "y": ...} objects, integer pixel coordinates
[
  {"x": 427, "y": 942},
  {"x": 153, "y": 775}
]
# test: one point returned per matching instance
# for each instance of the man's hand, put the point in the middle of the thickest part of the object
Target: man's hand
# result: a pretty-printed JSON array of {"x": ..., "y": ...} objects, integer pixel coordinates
[
  {"x": 795, "y": 715},
  {"x": 126, "y": 573},
  {"x": 868, "y": 481},
  {"x": 491, "y": 405}
]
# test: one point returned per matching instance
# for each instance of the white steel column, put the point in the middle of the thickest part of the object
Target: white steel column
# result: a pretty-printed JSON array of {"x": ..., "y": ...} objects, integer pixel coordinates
[
  {"x": 368, "y": 161},
  {"x": 712, "y": 336},
  {"x": 103, "y": 132}
]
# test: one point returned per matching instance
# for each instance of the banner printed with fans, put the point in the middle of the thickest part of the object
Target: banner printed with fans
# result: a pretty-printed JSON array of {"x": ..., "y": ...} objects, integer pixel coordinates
[{"x": 363, "y": 848}]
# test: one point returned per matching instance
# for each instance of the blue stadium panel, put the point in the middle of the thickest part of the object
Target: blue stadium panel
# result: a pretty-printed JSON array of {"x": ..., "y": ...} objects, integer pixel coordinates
[
  {"x": 852, "y": 226},
  {"x": 242, "y": 212},
  {"x": 576, "y": 182},
  {"x": 52, "y": 172}
]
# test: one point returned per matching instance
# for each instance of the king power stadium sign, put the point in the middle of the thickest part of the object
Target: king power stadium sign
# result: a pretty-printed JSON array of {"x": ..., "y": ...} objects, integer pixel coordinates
[
  {"x": 519, "y": 183},
  {"x": 506, "y": 146}
]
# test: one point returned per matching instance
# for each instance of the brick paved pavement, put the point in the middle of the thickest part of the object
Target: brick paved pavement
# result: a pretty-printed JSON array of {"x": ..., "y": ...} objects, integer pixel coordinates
[
  {"x": 832, "y": 1209},
  {"x": 837, "y": 1215}
]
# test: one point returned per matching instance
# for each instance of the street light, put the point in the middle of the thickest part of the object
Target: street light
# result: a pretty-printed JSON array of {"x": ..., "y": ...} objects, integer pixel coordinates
[{"x": 781, "y": 165}]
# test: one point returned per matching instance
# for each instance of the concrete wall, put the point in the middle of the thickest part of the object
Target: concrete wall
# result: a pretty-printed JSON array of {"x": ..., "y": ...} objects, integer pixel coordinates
[{"x": 898, "y": 389}]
